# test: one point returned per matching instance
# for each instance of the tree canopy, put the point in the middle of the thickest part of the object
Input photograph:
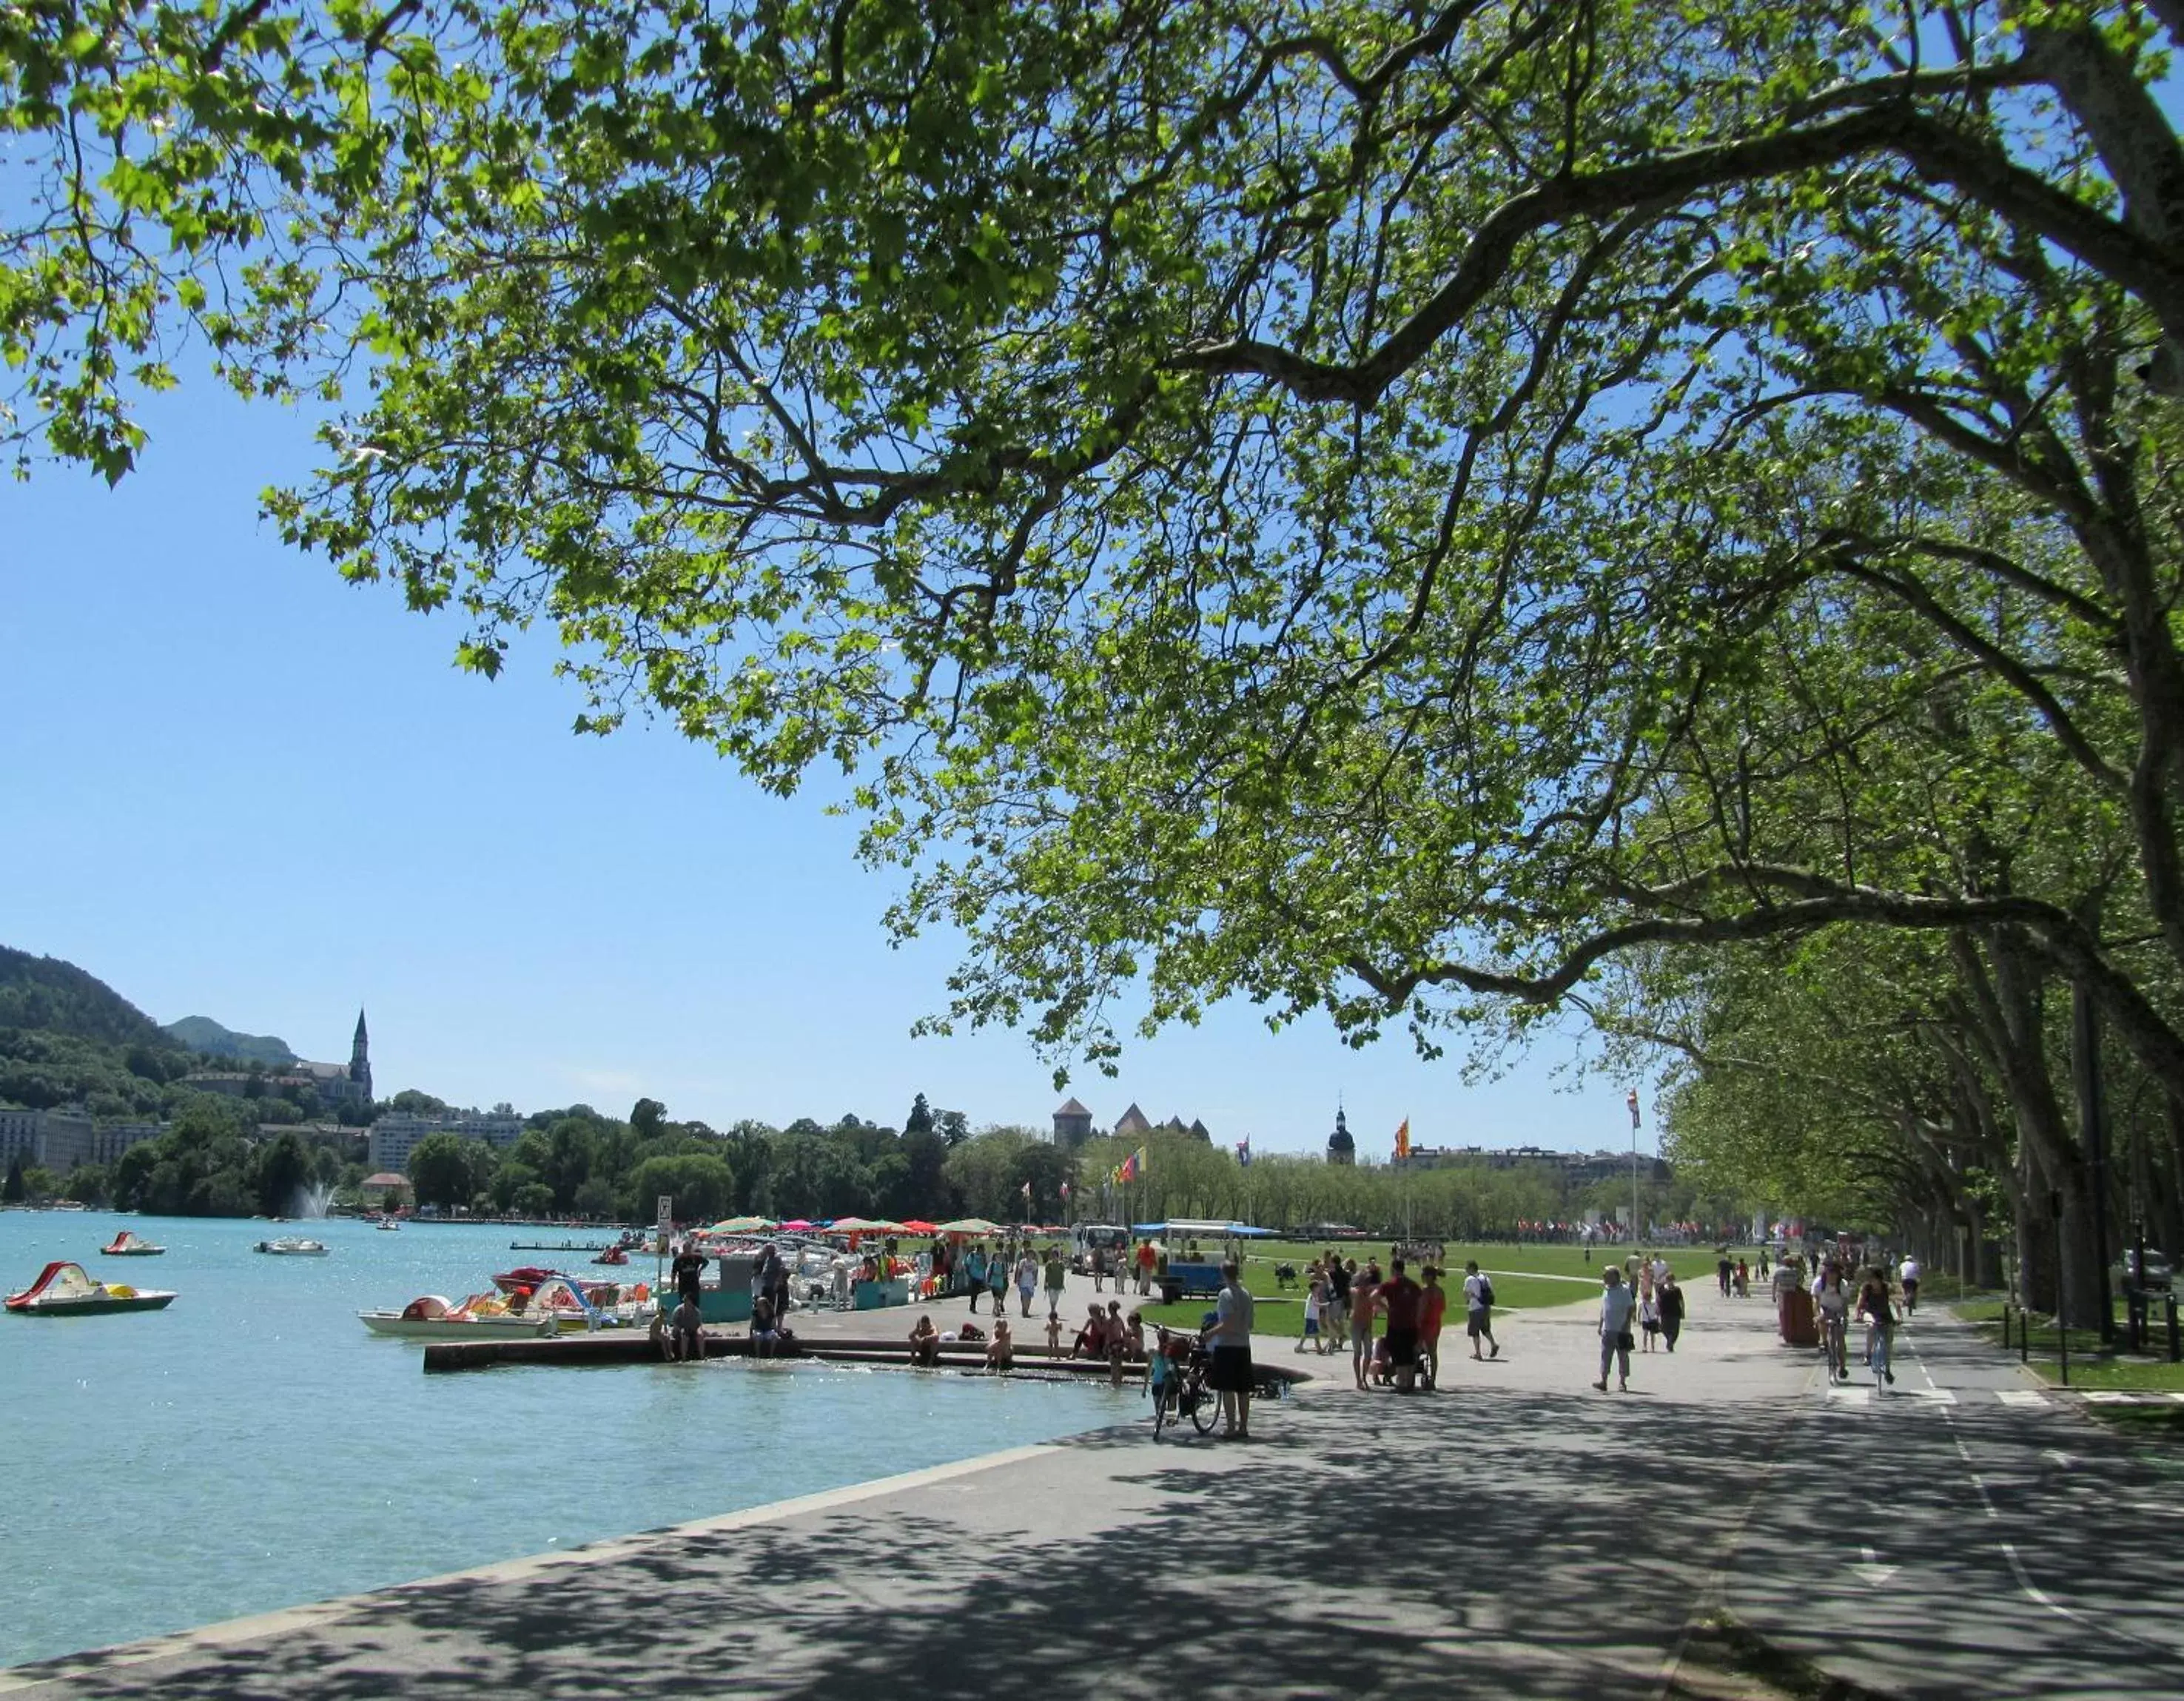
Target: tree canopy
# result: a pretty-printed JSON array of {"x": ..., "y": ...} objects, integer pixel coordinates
[{"x": 1399, "y": 510}]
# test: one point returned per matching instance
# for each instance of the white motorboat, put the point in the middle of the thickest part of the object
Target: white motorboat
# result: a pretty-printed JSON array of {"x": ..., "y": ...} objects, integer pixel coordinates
[{"x": 293, "y": 1247}]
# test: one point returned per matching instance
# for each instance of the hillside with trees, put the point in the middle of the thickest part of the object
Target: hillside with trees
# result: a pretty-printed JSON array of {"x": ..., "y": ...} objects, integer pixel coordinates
[
  {"x": 57, "y": 997},
  {"x": 202, "y": 1034}
]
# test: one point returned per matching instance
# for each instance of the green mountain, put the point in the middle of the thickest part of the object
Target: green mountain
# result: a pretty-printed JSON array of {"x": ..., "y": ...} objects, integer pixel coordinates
[
  {"x": 56, "y": 997},
  {"x": 202, "y": 1033}
]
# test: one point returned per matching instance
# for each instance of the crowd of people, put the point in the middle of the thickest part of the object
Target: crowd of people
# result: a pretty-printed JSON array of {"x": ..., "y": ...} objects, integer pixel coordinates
[{"x": 1343, "y": 1301}]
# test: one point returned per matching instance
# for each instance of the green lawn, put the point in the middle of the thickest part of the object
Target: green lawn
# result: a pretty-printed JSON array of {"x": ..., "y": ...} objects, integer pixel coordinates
[
  {"x": 2090, "y": 1366},
  {"x": 1525, "y": 1277}
]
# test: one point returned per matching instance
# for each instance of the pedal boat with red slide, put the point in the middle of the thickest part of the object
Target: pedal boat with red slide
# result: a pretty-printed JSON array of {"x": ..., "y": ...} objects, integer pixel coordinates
[{"x": 63, "y": 1290}]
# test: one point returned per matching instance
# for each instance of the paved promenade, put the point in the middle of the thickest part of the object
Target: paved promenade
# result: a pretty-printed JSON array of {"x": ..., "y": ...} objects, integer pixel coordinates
[{"x": 1515, "y": 1535}]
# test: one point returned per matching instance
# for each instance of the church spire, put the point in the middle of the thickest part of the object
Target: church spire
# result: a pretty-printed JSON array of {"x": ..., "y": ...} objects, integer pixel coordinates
[{"x": 359, "y": 1061}]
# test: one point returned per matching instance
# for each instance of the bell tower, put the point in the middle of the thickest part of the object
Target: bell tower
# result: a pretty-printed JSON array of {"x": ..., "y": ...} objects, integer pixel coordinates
[{"x": 359, "y": 1062}]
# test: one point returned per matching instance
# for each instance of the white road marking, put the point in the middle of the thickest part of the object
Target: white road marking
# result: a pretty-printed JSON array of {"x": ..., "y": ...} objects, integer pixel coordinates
[
  {"x": 1846, "y": 1391},
  {"x": 2034, "y": 1593},
  {"x": 1872, "y": 1569},
  {"x": 2020, "y": 1397},
  {"x": 1939, "y": 1397}
]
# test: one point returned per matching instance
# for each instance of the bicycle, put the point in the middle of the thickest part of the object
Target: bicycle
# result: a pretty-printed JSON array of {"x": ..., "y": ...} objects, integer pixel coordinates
[
  {"x": 1182, "y": 1392},
  {"x": 1833, "y": 1337}
]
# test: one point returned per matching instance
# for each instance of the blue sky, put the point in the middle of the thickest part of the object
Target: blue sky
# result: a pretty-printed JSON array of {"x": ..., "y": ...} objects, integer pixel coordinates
[{"x": 236, "y": 787}]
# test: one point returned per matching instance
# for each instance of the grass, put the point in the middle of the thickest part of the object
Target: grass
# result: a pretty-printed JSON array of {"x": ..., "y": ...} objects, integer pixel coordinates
[
  {"x": 2091, "y": 1366},
  {"x": 1526, "y": 1277}
]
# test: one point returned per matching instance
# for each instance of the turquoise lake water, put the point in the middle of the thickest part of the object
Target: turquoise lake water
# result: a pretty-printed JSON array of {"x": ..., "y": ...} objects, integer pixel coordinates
[{"x": 252, "y": 1447}]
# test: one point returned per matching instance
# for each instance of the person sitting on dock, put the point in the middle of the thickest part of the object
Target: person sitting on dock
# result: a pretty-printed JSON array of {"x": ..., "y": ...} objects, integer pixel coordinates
[
  {"x": 1001, "y": 1350},
  {"x": 924, "y": 1342},
  {"x": 1092, "y": 1339},
  {"x": 765, "y": 1328},
  {"x": 686, "y": 1338}
]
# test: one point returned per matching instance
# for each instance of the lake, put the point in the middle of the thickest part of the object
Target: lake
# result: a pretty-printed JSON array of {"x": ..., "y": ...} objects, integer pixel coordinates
[{"x": 252, "y": 1447}]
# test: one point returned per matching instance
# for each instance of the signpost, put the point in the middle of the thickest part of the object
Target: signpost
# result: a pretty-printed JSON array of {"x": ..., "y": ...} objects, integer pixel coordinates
[
  {"x": 1631, "y": 1099},
  {"x": 664, "y": 1216}
]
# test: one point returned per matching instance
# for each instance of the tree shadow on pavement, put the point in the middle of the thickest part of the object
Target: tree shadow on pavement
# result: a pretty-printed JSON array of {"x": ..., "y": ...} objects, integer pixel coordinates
[{"x": 1492, "y": 1544}]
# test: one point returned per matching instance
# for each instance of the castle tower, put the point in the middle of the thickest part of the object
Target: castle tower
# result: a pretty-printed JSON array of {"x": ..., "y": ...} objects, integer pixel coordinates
[
  {"x": 1340, "y": 1147},
  {"x": 1073, "y": 1126},
  {"x": 359, "y": 1062}
]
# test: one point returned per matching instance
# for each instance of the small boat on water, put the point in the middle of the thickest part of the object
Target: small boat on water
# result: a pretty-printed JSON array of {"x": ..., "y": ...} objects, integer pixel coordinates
[
  {"x": 612, "y": 1255},
  {"x": 293, "y": 1247},
  {"x": 558, "y": 1304},
  {"x": 63, "y": 1290},
  {"x": 387, "y": 1225},
  {"x": 127, "y": 1244},
  {"x": 430, "y": 1317}
]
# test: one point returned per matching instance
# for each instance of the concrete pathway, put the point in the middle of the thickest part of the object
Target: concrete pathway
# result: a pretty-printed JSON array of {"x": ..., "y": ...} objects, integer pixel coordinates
[
  {"x": 1967, "y": 1531},
  {"x": 1515, "y": 1535}
]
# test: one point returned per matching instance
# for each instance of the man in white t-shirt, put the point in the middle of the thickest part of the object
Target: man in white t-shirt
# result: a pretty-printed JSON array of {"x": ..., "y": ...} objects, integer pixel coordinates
[
  {"x": 1479, "y": 1309},
  {"x": 1908, "y": 1275}
]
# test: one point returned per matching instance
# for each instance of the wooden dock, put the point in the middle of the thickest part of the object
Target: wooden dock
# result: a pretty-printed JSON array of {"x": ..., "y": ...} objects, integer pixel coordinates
[{"x": 636, "y": 1347}]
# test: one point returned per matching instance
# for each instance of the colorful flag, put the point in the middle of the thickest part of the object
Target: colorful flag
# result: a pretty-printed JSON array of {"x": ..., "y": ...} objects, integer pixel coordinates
[
  {"x": 1403, "y": 1139},
  {"x": 1065, "y": 1190},
  {"x": 1632, "y": 1101},
  {"x": 1132, "y": 1167},
  {"x": 1244, "y": 1151},
  {"x": 1026, "y": 1190}
]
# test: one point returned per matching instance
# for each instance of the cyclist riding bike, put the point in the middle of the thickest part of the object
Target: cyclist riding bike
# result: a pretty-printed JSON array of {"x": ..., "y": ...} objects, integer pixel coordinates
[
  {"x": 1874, "y": 1306},
  {"x": 1909, "y": 1277},
  {"x": 1831, "y": 1305}
]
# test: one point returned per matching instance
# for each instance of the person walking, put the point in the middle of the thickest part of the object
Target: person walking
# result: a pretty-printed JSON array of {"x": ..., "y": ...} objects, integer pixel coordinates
[
  {"x": 1312, "y": 1295},
  {"x": 1027, "y": 1278},
  {"x": 997, "y": 1280},
  {"x": 1723, "y": 1271},
  {"x": 1479, "y": 1309},
  {"x": 974, "y": 1272},
  {"x": 1616, "y": 1301},
  {"x": 1743, "y": 1282},
  {"x": 1146, "y": 1259},
  {"x": 1335, "y": 1315},
  {"x": 1363, "y": 1285},
  {"x": 1229, "y": 1334},
  {"x": 1099, "y": 1269},
  {"x": 1649, "y": 1316},
  {"x": 1430, "y": 1313},
  {"x": 1670, "y": 1301},
  {"x": 1057, "y": 1277}
]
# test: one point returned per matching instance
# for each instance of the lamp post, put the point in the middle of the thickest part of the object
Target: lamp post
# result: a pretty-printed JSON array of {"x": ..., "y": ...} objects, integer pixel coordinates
[{"x": 1632, "y": 1101}]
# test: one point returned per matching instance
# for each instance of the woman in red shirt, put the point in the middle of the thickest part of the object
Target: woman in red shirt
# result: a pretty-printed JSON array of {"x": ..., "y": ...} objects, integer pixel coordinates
[{"x": 1431, "y": 1310}]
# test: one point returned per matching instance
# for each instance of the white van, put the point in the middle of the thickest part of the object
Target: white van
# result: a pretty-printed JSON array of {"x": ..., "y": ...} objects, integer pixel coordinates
[{"x": 1112, "y": 1238}]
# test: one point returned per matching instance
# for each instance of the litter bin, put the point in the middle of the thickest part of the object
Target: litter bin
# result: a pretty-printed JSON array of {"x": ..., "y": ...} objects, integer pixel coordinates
[{"x": 1794, "y": 1318}]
